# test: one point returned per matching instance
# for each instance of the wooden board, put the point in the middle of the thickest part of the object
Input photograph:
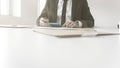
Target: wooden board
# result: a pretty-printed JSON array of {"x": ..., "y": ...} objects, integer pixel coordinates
[{"x": 73, "y": 32}]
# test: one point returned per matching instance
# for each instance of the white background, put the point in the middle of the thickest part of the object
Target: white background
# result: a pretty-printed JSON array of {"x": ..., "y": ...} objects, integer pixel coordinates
[{"x": 105, "y": 13}]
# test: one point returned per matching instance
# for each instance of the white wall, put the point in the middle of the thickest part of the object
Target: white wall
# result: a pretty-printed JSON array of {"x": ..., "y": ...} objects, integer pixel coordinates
[
  {"x": 105, "y": 12},
  {"x": 28, "y": 11}
]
